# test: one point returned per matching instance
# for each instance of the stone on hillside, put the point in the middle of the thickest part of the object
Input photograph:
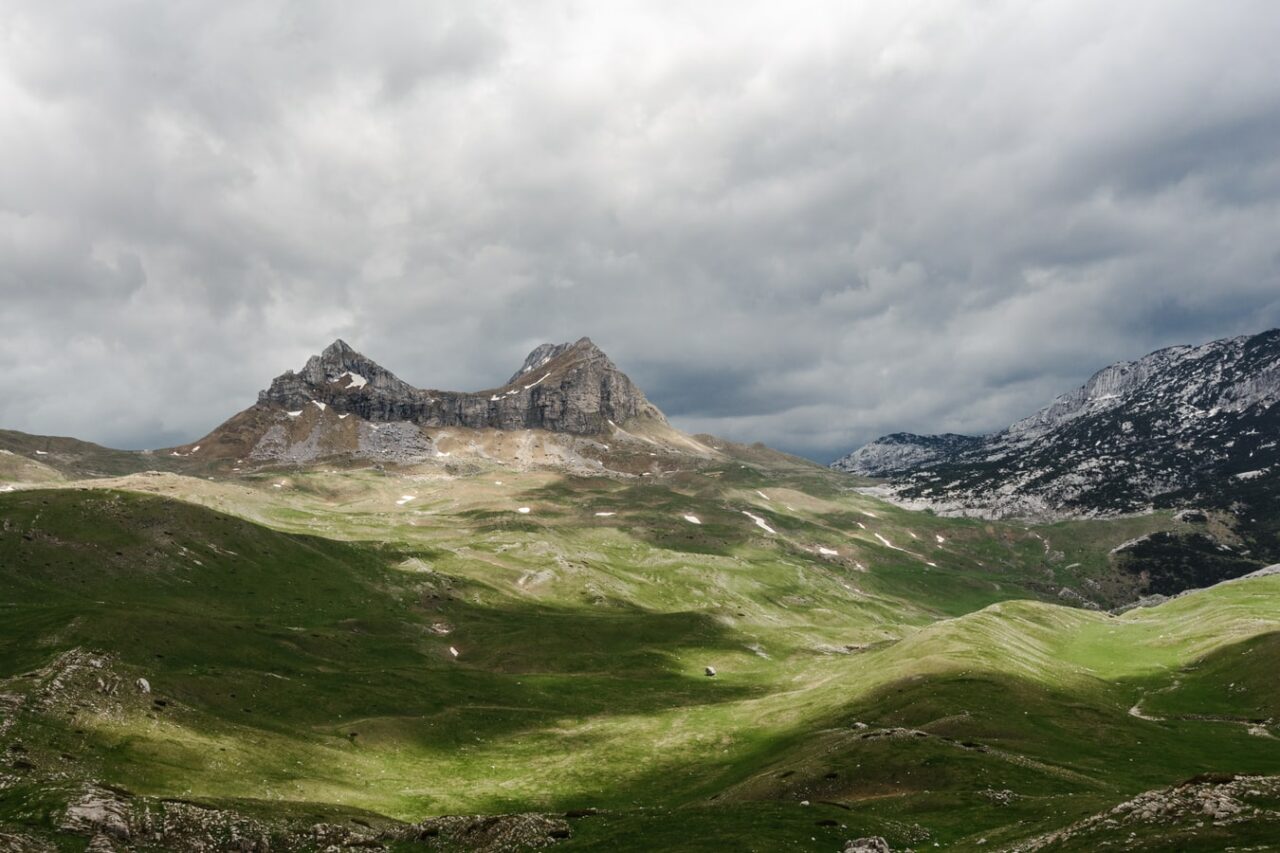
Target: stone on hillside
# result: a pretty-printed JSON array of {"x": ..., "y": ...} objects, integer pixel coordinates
[
  {"x": 100, "y": 844},
  {"x": 143, "y": 685},
  {"x": 870, "y": 844},
  {"x": 98, "y": 811},
  {"x": 710, "y": 671}
]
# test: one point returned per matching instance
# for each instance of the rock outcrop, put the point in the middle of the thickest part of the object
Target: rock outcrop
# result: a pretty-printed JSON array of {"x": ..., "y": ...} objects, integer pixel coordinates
[
  {"x": 342, "y": 404},
  {"x": 571, "y": 388}
]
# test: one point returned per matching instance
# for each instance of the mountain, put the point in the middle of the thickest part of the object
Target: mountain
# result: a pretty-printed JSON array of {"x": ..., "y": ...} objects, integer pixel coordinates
[
  {"x": 1183, "y": 426},
  {"x": 342, "y": 403}
]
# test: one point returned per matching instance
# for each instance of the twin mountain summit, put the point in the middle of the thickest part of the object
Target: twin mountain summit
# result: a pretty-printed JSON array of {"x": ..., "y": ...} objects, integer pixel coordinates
[{"x": 360, "y": 615}]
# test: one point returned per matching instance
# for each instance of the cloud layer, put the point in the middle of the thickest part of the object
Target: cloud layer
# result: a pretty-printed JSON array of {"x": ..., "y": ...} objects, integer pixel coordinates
[{"x": 802, "y": 223}]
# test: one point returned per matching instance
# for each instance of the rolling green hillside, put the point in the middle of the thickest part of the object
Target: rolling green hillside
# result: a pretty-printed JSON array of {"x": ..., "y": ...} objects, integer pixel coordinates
[{"x": 368, "y": 650}]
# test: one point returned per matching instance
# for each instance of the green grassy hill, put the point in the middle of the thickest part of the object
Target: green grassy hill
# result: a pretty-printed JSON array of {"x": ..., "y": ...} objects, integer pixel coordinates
[{"x": 367, "y": 650}]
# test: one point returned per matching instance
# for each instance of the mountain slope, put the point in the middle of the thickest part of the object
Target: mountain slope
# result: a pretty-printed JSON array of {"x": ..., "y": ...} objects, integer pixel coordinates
[
  {"x": 1182, "y": 426},
  {"x": 451, "y": 654}
]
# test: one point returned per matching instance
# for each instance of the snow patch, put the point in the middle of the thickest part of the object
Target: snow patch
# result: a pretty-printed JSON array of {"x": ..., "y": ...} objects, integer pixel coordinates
[
  {"x": 605, "y": 514},
  {"x": 404, "y": 499},
  {"x": 453, "y": 651},
  {"x": 357, "y": 381},
  {"x": 828, "y": 552},
  {"x": 939, "y": 538},
  {"x": 762, "y": 494},
  {"x": 538, "y": 382},
  {"x": 318, "y": 404},
  {"x": 887, "y": 543},
  {"x": 296, "y": 414},
  {"x": 42, "y": 453},
  {"x": 524, "y": 510},
  {"x": 343, "y": 417},
  {"x": 760, "y": 522},
  {"x": 692, "y": 519}
]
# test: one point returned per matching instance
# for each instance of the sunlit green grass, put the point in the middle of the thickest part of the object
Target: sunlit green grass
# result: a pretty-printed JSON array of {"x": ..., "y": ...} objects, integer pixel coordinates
[{"x": 303, "y": 641}]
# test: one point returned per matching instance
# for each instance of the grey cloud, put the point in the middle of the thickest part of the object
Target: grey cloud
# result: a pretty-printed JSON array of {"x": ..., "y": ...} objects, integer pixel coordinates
[{"x": 804, "y": 225}]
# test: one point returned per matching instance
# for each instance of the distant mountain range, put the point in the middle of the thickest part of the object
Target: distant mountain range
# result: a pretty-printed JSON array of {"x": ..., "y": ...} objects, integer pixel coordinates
[{"x": 1187, "y": 426}]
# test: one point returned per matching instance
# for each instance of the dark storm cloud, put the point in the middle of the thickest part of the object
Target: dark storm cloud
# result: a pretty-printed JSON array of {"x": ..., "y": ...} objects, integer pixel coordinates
[{"x": 805, "y": 224}]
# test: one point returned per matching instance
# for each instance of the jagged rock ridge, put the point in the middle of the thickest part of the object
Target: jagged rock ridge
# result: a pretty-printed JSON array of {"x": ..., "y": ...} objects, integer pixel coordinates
[
  {"x": 576, "y": 389},
  {"x": 1187, "y": 425},
  {"x": 343, "y": 404}
]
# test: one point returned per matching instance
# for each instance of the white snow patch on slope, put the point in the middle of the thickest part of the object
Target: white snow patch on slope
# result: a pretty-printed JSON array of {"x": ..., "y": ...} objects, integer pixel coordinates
[
  {"x": 760, "y": 522},
  {"x": 296, "y": 414},
  {"x": 828, "y": 552},
  {"x": 341, "y": 417},
  {"x": 404, "y": 499},
  {"x": 538, "y": 382},
  {"x": 1244, "y": 475},
  {"x": 605, "y": 514},
  {"x": 524, "y": 510},
  {"x": 319, "y": 405},
  {"x": 357, "y": 381},
  {"x": 692, "y": 519},
  {"x": 42, "y": 453},
  {"x": 939, "y": 538},
  {"x": 888, "y": 544},
  {"x": 762, "y": 494}
]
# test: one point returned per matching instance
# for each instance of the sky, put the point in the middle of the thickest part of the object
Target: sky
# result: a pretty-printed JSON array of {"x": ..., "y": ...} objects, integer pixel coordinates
[{"x": 803, "y": 223}]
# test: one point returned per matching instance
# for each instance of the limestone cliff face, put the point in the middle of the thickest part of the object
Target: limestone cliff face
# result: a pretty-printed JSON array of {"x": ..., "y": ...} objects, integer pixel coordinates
[{"x": 572, "y": 388}]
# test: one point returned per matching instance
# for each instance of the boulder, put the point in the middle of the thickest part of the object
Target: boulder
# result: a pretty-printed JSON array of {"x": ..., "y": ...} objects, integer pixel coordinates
[{"x": 870, "y": 844}]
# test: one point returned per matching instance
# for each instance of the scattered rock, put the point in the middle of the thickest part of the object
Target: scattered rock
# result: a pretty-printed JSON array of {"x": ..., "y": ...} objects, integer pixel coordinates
[
  {"x": 490, "y": 833},
  {"x": 710, "y": 671},
  {"x": 100, "y": 844},
  {"x": 870, "y": 844},
  {"x": 12, "y": 842},
  {"x": 143, "y": 685},
  {"x": 98, "y": 811}
]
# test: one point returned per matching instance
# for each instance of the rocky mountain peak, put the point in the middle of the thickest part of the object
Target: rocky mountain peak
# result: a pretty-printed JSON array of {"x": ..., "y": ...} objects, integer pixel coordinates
[
  {"x": 1181, "y": 425},
  {"x": 544, "y": 354},
  {"x": 339, "y": 368},
  {"x": 565, "y": 387}
]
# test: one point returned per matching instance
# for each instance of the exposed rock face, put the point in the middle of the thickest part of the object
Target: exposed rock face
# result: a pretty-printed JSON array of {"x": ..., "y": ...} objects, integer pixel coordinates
[
  {"x": 490, "y": 833},
  {"x": 1184, "y": 426},
  {"x": 541, "y": 354},
  {"x": 1224, "y": 801},
  {"x": 871, "y": 844},
  {"x": 903, "y": 451},
  {"x": 576, "y": 389}
]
